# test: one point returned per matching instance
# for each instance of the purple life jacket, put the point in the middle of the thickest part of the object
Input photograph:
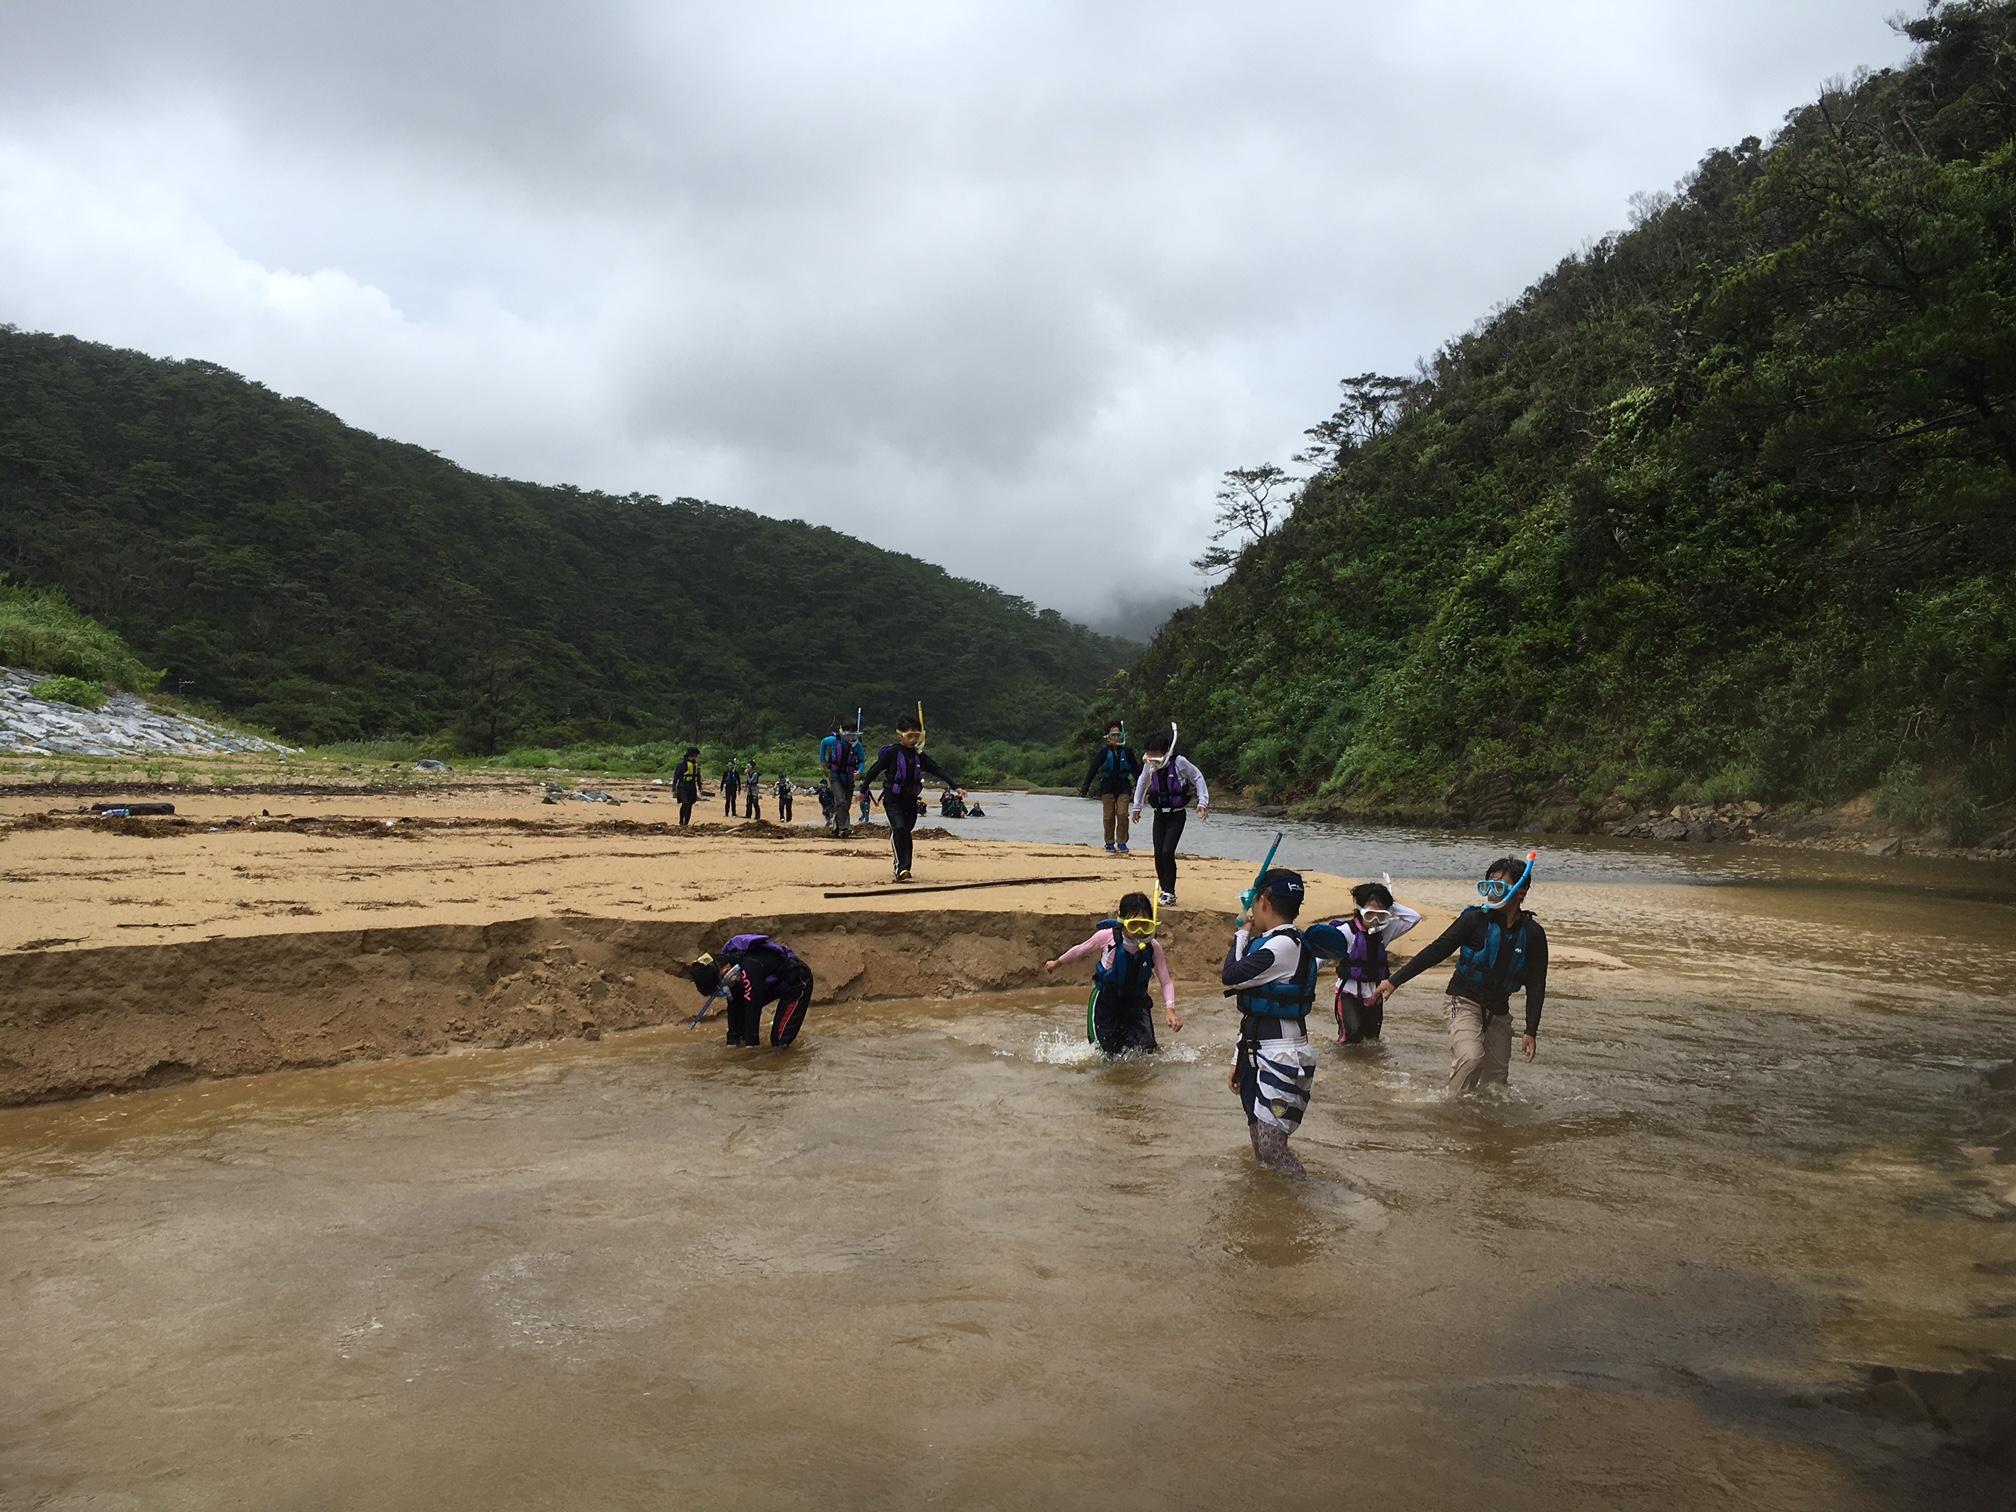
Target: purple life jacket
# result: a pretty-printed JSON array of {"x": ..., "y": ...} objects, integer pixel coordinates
[
  {"x": 742, "y": 944},
  {"x": 1366, "y": 961},
  {"x": 906, "y": 771},
  {"x": 1168, "y": 788}
]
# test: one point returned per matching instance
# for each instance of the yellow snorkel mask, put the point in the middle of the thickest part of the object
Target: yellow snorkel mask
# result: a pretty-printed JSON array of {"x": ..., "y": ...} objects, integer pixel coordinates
[{"x": 1144, "y": 928}]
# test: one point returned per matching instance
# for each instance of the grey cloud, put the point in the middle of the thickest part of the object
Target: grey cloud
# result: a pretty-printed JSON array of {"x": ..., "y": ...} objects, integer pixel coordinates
[{"x": 1004, "y": 286}]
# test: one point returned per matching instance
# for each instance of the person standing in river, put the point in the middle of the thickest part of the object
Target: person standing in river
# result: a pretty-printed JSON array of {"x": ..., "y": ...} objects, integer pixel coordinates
[
  {"x": 1114, "y": 767},
  {"x": 1169, "y": 784},
  {"x": 1503, "y": 951},
  {"x": 906, "y": 765},
  {"x": 1357, "y": 943},
  {"x": 1273, "y": 975}
]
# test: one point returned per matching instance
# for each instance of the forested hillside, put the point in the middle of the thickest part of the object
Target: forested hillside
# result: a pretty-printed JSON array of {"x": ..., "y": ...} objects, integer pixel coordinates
[
  {"x": 334, "y": 586},
  {"x": 1724, "y": 507}
]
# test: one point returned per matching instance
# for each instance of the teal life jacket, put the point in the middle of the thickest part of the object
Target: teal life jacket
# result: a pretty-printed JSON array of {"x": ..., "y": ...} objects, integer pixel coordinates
[
  {"x": 1128, "y": 975},
  {"x": 1499, "y": 962},
  {"x": 1290, "y": 999}
]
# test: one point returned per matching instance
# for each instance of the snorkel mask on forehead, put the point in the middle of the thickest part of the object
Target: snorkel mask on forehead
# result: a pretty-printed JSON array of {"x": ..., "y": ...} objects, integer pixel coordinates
[{"x": 1496, "y": 890}]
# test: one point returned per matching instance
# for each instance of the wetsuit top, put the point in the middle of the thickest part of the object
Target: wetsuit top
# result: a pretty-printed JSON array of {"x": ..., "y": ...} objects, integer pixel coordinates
[
  {"x": 731, "y": 778},
  {"x": 1102, "y": 940},
  {"x": 1114, "y": 768},
  {"x": 907, "y": 767},
  {"x": 1357, "y": 963},
  {"x": 1274, "y": 976},
  {"x": 842, "y": 756},
  {"x": 769, "y": 970},
  {"x": 1520, "y": 961}
]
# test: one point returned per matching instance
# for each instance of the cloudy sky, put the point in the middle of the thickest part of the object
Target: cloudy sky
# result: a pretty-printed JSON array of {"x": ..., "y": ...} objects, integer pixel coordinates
[{"x": 1004, "y": 285}]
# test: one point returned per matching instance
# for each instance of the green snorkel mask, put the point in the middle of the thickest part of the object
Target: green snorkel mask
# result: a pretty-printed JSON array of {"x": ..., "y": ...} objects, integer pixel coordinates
[{"x": 1497, "y": 891}]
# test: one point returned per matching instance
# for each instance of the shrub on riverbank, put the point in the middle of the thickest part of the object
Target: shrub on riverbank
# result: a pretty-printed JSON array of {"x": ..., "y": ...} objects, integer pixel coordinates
[
  {"x": 70, "y": 690},
  {"x": 41, "y": 632}
]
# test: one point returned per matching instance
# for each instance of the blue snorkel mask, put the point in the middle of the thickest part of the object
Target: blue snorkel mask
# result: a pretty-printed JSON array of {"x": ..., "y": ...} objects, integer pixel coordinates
[{"x": 1496, "y": 891}]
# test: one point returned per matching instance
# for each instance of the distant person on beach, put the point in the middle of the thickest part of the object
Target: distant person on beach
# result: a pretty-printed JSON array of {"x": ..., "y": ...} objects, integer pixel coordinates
[
  {"x": 1114, "y": 768},
  {"x": 1503, "y": 951},
  {"x": 1273, "y": 974},
  {"x": 784, "y": 791},
  {"x": 1357, "y": 943},
  {"x": 902, "y": 790},
  {"x": 823, "y": 791},
  {"x": 750, "y": 971},
  {"x": 840, "y": 755},
  {"x": 752, "y": 792},
  {"x": 1169, "y": 784},
  {"x": 731, "y": 781},
  {"x": 1119, "y": 1016},
  {"x": 686, "y": 784}
]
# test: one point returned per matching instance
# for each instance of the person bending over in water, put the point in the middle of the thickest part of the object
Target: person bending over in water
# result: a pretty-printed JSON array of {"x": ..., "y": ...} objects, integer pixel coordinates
[
  {"x": 1357, "y": 943},
  {"x": 1273, "y": 974},
  {"x": 1503, "y": 949},
  {"x": 750, "y": 971},
  {"x": 1119, "y": 1017},
  {"x": 904, "y": 786}
]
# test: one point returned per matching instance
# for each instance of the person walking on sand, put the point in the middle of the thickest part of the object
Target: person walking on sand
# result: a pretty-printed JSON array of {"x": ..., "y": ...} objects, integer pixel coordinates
[
  {"x": 752, "y": 792},
  {"x": 750, "y": 971},
  {"x": 1169, "y": 784},
  {"x": 1118, "y": 1016},
  {"x": 784, "y": 790},
  {"x": 1503, "y": 950},
  {"x": 906, "y": 765},
  {"x": 731, "y": 781},
  {"x": 1114, "y": 768},
  {"x": 840, "y": 756},
  {"x": 1357, "y": 943},
  {"x": 686, "y": 784},
  {"x": 1273, "y": 974}
]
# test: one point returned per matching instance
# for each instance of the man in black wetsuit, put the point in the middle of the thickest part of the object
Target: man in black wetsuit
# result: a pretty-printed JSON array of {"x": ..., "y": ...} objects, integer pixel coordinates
[
  {"x": 686, "y": 784},
  {"x": 906, "y": 766},
  {"x": 1504, "y": 949},
  {"x": 750, "y": 971}
]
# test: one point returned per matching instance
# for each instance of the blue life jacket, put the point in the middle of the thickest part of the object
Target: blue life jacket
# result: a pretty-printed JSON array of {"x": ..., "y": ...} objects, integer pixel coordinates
[
  {"x": 1496, "y": 963},
  {"x": 1366, "y": 961},
  {"x": 1128, "y": 975},
  {"x": 843, "y": 756},
  {"x": 1118, "y": 763},
  {"x": 1289, "y": 999},
  {"x": 1168, "y": 789}
]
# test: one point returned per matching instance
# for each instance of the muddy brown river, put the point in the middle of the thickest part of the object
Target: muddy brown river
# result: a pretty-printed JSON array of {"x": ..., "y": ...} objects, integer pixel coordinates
[{"x": 939, "y": 1256}]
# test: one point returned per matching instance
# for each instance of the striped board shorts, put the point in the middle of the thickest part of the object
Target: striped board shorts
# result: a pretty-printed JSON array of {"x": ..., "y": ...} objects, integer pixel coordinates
[{"x": 1275, "y": 1078}]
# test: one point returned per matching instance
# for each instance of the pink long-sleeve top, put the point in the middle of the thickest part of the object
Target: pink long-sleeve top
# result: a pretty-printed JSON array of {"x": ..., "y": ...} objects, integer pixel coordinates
[{"x": 1101, "y": 940}]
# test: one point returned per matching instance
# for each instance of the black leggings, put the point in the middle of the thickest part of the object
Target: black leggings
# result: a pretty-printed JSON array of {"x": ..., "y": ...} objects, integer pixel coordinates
[
  {"x": 730, "y": 804},
  {"x": 1168, "y": 830},
  {"x": 902, "y": 816},
  {"x": 745, "y": 1020},
  {"x": 686, "y": 800}
]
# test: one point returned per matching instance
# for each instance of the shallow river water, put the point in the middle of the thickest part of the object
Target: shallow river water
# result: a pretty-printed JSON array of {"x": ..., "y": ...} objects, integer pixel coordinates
[{"x": 938, "y": 1255}]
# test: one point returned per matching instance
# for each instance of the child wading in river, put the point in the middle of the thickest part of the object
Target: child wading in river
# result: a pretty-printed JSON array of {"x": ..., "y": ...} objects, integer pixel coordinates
[
  {"x": 1119, "y": 1016},
  {"x": 1357, "y": 943},
  {"x": 1273, "y": 974}
]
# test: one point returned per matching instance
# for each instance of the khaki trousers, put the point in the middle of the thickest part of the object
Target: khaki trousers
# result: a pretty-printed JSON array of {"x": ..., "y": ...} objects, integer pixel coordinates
[
  {"x": 1113, "y": 815},
  {"x": 1480, "y": 1049}
]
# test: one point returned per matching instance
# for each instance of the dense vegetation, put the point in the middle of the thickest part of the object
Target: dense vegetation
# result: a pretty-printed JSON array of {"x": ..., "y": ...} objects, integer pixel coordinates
[
  {"x": 39, "y": 630},
  {"x": 1720, "y": 508},
  {"x": 331, "y": 585}
]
